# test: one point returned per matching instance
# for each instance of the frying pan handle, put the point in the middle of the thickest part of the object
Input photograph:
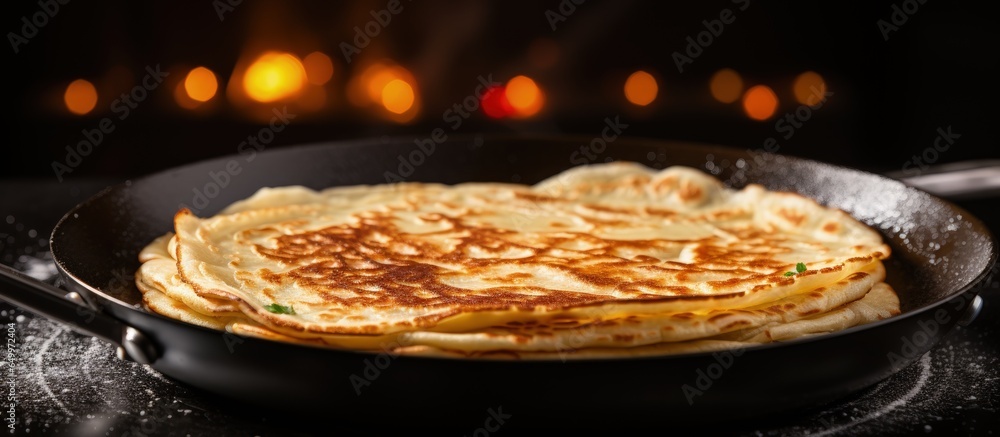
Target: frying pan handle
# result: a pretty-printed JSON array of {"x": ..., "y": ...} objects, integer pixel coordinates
[
  {"x": 55, "y": 304},
  {"x": 960, "y": 180}
]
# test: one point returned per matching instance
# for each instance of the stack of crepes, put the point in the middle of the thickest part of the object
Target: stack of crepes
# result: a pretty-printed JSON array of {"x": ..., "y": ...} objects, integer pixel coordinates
[{"x": 605, "y": 260}]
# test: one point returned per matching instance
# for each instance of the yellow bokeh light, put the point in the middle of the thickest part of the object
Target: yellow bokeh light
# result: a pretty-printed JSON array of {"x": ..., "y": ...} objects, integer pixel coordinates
[
  {"x": 760, "y": 102},
  {"x": 319, "y": 68},
  {"x": 201, "y": 84},
  {"x": 80, "y": 97},
  {"x": 397, "y": 96},
  {"x": 726, "y": 85},
  {"x": 809, "y": 88},
  {"x": 274, "y": 76},
  {"x": 641, "y": 88},
  {"x": 379, "y": 77},
  {"x": 524, "y": 96}
]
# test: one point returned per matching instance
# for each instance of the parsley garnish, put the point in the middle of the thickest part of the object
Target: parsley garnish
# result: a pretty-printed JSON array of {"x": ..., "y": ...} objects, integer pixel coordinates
[
  {"x": 799, "y": 268},
  {"x": 279, "y": 309}
]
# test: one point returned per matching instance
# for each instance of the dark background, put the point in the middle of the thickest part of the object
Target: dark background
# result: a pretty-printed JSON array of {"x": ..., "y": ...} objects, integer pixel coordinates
[{"x": 938, "y": 69}]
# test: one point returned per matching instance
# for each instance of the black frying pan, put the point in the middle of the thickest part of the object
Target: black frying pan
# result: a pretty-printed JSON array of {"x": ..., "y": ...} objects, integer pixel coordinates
[{"x": 939, "y": 253}]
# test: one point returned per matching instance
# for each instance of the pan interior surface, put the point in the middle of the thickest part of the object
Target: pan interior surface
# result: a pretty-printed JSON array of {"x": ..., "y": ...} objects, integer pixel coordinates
[{"x": 938, "y": 249}]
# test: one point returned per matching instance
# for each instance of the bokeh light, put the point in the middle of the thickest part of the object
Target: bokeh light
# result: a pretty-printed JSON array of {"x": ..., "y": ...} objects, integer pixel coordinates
[
  {"x": 80, "y": 97},
  {"x": 524, "y": 96},
  {"x": 495, "y": 104},
  {"x": 319, "y": 68},
  {"x": 379, "y": 78},
  {"x": 641, "y": 88},
  {"x": 274, "y": 76},
  {"x": 201, "y": 84},
  {"x": 726, "y": 85},
  {"x": 387, "y": 86},
  {"x": 809, "y": 88},
  {"x": 397, "y": 96},
  {"x": 760, "y": 102}
]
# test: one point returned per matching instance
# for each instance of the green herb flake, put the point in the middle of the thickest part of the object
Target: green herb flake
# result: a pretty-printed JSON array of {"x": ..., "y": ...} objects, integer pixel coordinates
[
  {"x": 279, "y": 309},
  {"x": 799, "y": 268}
]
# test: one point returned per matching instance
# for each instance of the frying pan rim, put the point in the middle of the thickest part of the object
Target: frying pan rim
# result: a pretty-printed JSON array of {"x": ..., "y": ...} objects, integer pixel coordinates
[{"x": 708, "y": 147}]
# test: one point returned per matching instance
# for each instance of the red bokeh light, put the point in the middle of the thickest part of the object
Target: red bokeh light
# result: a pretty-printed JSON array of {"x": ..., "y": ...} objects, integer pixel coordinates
[{"x": 495, "y": 103}]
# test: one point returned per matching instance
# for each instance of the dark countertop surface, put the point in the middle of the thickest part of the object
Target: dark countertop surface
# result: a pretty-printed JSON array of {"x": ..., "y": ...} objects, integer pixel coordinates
[{"x": 69, "y": 384}]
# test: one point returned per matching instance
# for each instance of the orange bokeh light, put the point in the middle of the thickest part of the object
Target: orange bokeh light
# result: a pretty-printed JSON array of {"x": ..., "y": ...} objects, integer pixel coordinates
[
  {"x": 760, "y": 102},
  {"x": 389, "y": 86},
  {"x": 379, "y": 79},
  {"x": 524, "y": 96},
  {"x": 274, "y": 76},
  {"x": 641, "y": 88},
  {"x": 809, "y": 88},
  {"x": 726, "y": 85},
  {"x": 397, "y": 96},
  {"x": 319, "y": 68},
  {"x": 80, "y": 97},
  {"x": 201, "y": 84}
]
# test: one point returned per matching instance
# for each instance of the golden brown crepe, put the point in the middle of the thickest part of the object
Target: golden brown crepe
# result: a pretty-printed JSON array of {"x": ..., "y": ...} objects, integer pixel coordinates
[{"x": 602, "y": 260}]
